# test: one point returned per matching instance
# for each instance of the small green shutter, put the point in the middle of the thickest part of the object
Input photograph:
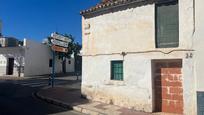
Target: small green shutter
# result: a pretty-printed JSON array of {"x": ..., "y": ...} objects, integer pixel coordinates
[
  {"x": 116, "y": 70},
  {"x": 167, "y": 24}
]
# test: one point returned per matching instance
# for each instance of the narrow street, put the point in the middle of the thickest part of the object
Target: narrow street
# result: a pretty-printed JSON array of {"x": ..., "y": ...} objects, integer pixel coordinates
[{"x": 16, "y": 98}]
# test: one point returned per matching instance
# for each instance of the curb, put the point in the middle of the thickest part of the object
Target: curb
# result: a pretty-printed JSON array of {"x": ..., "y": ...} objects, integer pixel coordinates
[
  {"x": 67, "y": 106},
  {"x": 12, "y": 78},
  {"x": 52, "y": 101}
]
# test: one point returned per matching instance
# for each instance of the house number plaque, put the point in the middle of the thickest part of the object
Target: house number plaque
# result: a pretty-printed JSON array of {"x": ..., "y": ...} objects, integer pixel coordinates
[{"x": 189, "y": 55}]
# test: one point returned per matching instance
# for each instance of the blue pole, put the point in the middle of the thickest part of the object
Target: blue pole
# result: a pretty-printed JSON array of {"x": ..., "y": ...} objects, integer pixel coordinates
[{"x": 53, "y": 67}]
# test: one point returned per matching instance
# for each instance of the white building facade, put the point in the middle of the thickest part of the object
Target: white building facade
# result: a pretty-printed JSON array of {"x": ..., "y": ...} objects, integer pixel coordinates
[
  {"x": 31, "y": 59},
  {"x": 199, "y": 55},
  {"x": 126, "y": 63}
]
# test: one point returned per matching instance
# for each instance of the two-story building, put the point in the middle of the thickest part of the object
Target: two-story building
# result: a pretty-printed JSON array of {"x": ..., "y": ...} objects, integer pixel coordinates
[{"x": 146, "y": 55}]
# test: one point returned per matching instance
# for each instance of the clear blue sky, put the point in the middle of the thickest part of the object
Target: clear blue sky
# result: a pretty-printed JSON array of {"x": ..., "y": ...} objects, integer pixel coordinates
[{"x": 36, "y": 19}]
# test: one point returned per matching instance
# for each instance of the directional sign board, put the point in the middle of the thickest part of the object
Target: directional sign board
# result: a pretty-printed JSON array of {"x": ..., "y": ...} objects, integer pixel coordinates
[
  {"x": 59, "y": 42},
  {"x": 60, "y": 37},
  {"x": 59, "y": 49}
]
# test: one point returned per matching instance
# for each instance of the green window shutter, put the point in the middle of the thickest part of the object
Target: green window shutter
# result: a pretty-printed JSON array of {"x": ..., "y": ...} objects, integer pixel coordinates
[
  {"x": 167, "y": 24},
  {"x": 116, "y": 70}
]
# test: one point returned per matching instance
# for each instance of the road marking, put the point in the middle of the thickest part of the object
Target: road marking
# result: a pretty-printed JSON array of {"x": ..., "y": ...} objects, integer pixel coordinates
[
  {"x": 37, "y": 83},
  {"x": 34, "y": 83}
]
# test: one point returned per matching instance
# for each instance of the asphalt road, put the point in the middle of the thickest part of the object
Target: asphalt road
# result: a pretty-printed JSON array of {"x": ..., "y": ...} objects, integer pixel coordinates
[{"x": 16, "y": 99}]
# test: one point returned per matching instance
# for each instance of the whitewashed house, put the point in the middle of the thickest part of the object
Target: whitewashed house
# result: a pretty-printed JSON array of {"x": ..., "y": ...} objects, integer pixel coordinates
[
  {"x": 146, "y": 55},
  {"x": 31, "y": 59}
]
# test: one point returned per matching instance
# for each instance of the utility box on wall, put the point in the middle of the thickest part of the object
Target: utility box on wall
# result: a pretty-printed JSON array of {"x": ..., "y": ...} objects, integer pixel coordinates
[{"x": 200, "y": 102}]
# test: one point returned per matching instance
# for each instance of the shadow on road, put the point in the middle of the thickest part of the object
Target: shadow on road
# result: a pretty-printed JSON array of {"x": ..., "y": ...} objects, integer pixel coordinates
[{"x": 16, "y": 97}]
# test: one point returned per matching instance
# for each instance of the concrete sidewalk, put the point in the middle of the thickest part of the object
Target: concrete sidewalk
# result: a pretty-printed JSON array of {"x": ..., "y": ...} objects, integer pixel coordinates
[
  {"x": 9, "y": 77},
  {"x": 71, "y": 98}
]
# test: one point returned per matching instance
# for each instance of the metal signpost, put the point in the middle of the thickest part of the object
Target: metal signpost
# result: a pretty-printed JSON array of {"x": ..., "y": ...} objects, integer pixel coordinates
[
  {"x": 59, "y": 44},
  {"x": 53, "y": 68}
]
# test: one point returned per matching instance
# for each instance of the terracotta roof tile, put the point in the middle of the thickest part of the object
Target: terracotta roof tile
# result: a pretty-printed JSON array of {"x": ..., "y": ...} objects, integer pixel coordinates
[{"x": 108, "y": 3}]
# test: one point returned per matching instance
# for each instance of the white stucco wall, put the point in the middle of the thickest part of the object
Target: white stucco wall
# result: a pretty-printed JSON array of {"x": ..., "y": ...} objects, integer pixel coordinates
[
  {"x": 3, "y": 64},
  {"x": 11, "y": 52},
  {"x": 70, "y": 67},
  {"x": 37, "y": 57},
  {"x": 198, "y": 44},
  {"x": 110, "y": 33},
  {"x": 133, "y": 31}
]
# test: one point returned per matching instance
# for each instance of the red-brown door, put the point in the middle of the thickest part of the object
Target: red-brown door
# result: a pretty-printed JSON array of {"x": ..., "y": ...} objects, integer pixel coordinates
[{"x": 168, "y": 86}]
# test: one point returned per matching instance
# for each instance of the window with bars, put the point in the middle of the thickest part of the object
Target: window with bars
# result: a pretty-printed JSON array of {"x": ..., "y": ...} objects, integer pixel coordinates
[
  {"x": 117, "y": 70},
  {"x": 167, "y": 24}
]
